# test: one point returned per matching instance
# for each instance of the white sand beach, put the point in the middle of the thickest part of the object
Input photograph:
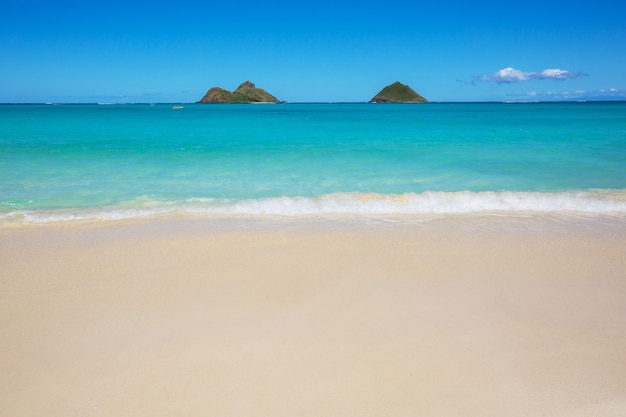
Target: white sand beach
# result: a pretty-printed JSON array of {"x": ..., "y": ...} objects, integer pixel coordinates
[{"x": 483, "y": 316}]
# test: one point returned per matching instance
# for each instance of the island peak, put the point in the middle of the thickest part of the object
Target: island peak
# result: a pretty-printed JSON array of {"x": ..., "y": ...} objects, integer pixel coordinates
[
  {"x": 246, "y": 84},
  {"x": 247, "y": 92},
  {"x": 398, "y": 93}
]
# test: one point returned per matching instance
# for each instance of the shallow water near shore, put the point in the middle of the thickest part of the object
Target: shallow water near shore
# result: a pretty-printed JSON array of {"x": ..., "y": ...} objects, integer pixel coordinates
[{"x": 111, "y": 162}]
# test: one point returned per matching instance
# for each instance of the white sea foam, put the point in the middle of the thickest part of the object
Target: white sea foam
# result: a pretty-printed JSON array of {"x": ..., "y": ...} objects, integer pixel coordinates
[
  {"x": 423, "y": 203},
  {"x": 430, "y": 202}
]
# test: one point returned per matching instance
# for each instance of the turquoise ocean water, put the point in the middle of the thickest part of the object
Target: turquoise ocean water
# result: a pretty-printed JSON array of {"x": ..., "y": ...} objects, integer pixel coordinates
[{"x": 100, "y": 162}]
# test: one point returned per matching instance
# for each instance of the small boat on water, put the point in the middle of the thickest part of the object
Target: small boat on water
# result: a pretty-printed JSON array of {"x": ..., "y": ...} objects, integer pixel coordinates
[{"x": 177, "y": 107}]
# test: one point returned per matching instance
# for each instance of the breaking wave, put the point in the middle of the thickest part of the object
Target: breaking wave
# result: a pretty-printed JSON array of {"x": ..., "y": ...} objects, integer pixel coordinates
[{"x": 357, "y": 204}]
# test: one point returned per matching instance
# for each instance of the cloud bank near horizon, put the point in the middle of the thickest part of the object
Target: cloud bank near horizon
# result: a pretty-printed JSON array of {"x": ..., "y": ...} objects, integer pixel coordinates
[
  {"x": 603, "y": 94},
  {"x": 510, "y": 75}
]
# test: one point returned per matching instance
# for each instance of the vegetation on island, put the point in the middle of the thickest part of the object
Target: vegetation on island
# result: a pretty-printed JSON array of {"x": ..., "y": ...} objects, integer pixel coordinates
[
  {"x": 247, "y": 92},
  {"x": 398, "y": 93}
]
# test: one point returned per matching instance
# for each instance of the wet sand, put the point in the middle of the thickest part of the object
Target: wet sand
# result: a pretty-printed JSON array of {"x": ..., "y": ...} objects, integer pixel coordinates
[{"x": 462, "y": 316}]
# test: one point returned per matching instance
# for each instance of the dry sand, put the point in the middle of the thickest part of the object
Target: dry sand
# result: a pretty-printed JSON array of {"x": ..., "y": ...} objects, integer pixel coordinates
[{"x": 197, "y": 317}]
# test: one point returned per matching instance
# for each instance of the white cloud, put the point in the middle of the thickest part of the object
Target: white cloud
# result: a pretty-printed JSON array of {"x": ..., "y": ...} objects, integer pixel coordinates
[
  {"x": 505, "y": 75},
  {"x": 557, "y": 74},
  {"x": 511, "y": 75}
]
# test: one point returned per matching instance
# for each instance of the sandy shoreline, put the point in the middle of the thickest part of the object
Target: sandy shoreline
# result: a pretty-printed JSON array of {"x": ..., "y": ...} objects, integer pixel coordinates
[{"x": 186, "y": 317}]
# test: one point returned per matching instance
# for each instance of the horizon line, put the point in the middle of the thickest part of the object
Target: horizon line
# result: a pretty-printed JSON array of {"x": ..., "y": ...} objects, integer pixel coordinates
[{"x": 49, "y": 103}]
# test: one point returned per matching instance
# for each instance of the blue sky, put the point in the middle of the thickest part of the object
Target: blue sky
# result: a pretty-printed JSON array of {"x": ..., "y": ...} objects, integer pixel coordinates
[{"x": 146, "y": 51}]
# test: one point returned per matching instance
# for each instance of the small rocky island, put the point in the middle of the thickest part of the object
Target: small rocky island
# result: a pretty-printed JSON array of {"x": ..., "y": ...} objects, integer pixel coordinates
[
  {"x": 398, "y": 93},
  {"x": 245, "y": 93}
]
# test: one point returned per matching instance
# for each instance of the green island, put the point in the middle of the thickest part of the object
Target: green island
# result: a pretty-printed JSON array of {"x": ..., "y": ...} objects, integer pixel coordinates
[
  {"x": 247, "y": 92},
  {"x": 398, "y": 93}
]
